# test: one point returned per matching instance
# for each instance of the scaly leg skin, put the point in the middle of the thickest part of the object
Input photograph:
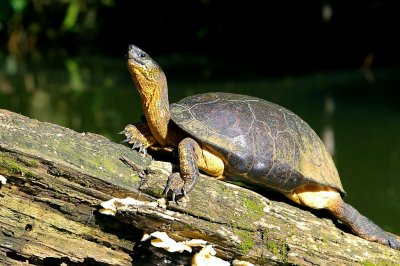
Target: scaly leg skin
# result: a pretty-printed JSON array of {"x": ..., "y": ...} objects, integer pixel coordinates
[
  {"x": 139, "y": 136},
  {"x": 362, "y": 226},
  {"x": 181, "y": 184},
  {"x": 320, "y": 197}
]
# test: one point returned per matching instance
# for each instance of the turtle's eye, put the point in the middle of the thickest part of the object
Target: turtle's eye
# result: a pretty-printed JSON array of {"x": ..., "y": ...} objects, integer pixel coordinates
[{"x": 142, "y": 55}]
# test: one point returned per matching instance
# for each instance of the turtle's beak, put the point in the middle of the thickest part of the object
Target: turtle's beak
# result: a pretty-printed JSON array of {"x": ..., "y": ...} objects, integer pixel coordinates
[
  {"x": 134, "y": 56},
  {"x": 131, "y": 51}
]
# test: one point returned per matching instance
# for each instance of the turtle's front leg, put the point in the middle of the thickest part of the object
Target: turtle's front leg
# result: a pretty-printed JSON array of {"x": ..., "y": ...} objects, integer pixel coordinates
[
  {"x": 192, "y": 157},
  {"x": 139, "y": 136},
  {"x": 182, "y": 183}
]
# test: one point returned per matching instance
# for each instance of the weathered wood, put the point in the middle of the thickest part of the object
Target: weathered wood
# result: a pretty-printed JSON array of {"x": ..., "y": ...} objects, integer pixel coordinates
[{"x": 56, "y": 179}]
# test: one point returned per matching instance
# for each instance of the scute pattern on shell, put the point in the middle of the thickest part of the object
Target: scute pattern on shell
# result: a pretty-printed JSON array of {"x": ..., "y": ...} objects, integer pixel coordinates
[{"x": 260, "y": 142}]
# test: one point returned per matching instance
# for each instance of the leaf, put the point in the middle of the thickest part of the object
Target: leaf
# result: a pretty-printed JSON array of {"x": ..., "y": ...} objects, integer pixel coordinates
[
  {"x": 71, "y": 16},
  {"x": 18, "y": 5}
]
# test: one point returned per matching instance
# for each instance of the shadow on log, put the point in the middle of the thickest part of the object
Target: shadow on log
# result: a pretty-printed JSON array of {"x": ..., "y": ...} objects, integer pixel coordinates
[{"x": 57, "y": 178}]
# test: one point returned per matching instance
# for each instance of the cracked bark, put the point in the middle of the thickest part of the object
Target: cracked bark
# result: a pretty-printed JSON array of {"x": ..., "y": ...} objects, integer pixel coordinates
[{"x": 56, "y": 179}]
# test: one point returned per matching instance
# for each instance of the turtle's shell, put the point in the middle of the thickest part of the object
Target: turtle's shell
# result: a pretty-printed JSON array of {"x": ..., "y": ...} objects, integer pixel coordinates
[{"x": 260, "y": 142}]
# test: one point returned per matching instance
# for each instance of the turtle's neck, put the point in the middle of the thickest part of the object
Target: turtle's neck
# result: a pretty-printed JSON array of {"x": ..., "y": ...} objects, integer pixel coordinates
[{"x": 154, "y": 94}]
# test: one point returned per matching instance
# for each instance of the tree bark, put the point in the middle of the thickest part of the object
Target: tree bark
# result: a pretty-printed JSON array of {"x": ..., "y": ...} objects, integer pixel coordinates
[{"x": 57, "y": 178}]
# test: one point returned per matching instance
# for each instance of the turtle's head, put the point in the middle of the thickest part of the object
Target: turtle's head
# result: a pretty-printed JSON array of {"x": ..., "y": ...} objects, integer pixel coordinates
[{"x": 146, "y": 73}]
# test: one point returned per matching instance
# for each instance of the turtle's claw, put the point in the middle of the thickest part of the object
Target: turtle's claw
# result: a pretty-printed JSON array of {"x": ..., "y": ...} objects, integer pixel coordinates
[
  {"x": 135, "y": 145},
  {"x": 135, "y": 138},
  {"x": 143, "y": 150},
  {"x": 174, "y": 186},
  {"x": 173, "y": 197},
  {"x": 393, "y": 242}
]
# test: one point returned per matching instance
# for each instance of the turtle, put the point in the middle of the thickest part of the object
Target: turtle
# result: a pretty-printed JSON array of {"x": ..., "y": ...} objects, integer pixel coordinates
[{"x": 241, "y": 138}]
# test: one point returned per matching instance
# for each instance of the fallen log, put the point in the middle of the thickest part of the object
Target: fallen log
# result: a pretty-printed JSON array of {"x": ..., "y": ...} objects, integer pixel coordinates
[{"x": 55, "y": 180}]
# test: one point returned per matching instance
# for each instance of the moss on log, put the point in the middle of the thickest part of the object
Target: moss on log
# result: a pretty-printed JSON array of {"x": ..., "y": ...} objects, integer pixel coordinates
[{"x": 56, "y": 179}]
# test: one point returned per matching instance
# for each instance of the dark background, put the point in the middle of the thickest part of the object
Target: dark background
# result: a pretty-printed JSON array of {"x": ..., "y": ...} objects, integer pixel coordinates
[{"x": 256, "y": 37}]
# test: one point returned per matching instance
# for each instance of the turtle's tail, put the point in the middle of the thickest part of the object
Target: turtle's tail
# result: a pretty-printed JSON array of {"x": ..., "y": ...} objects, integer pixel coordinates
[{"x": 362, "y": 226}]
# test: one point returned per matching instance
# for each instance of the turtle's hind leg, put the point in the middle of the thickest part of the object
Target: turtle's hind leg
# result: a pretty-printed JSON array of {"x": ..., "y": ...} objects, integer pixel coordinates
[
  {"x": 322, "y": 197},
  {"x": 361, "y": 225}
]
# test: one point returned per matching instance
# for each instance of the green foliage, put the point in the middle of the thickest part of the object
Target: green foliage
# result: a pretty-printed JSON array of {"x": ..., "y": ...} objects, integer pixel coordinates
[
  {"x": 5, "y": 11},
  {"x": 108, "y": 3},
  {"x": 11, "y": 8},
  {"x": 18, "y": 5},
  {"x": 76, "y": 82},
  {"x": 24, "y": 24},
  {"x": 71, "y": 15}
]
